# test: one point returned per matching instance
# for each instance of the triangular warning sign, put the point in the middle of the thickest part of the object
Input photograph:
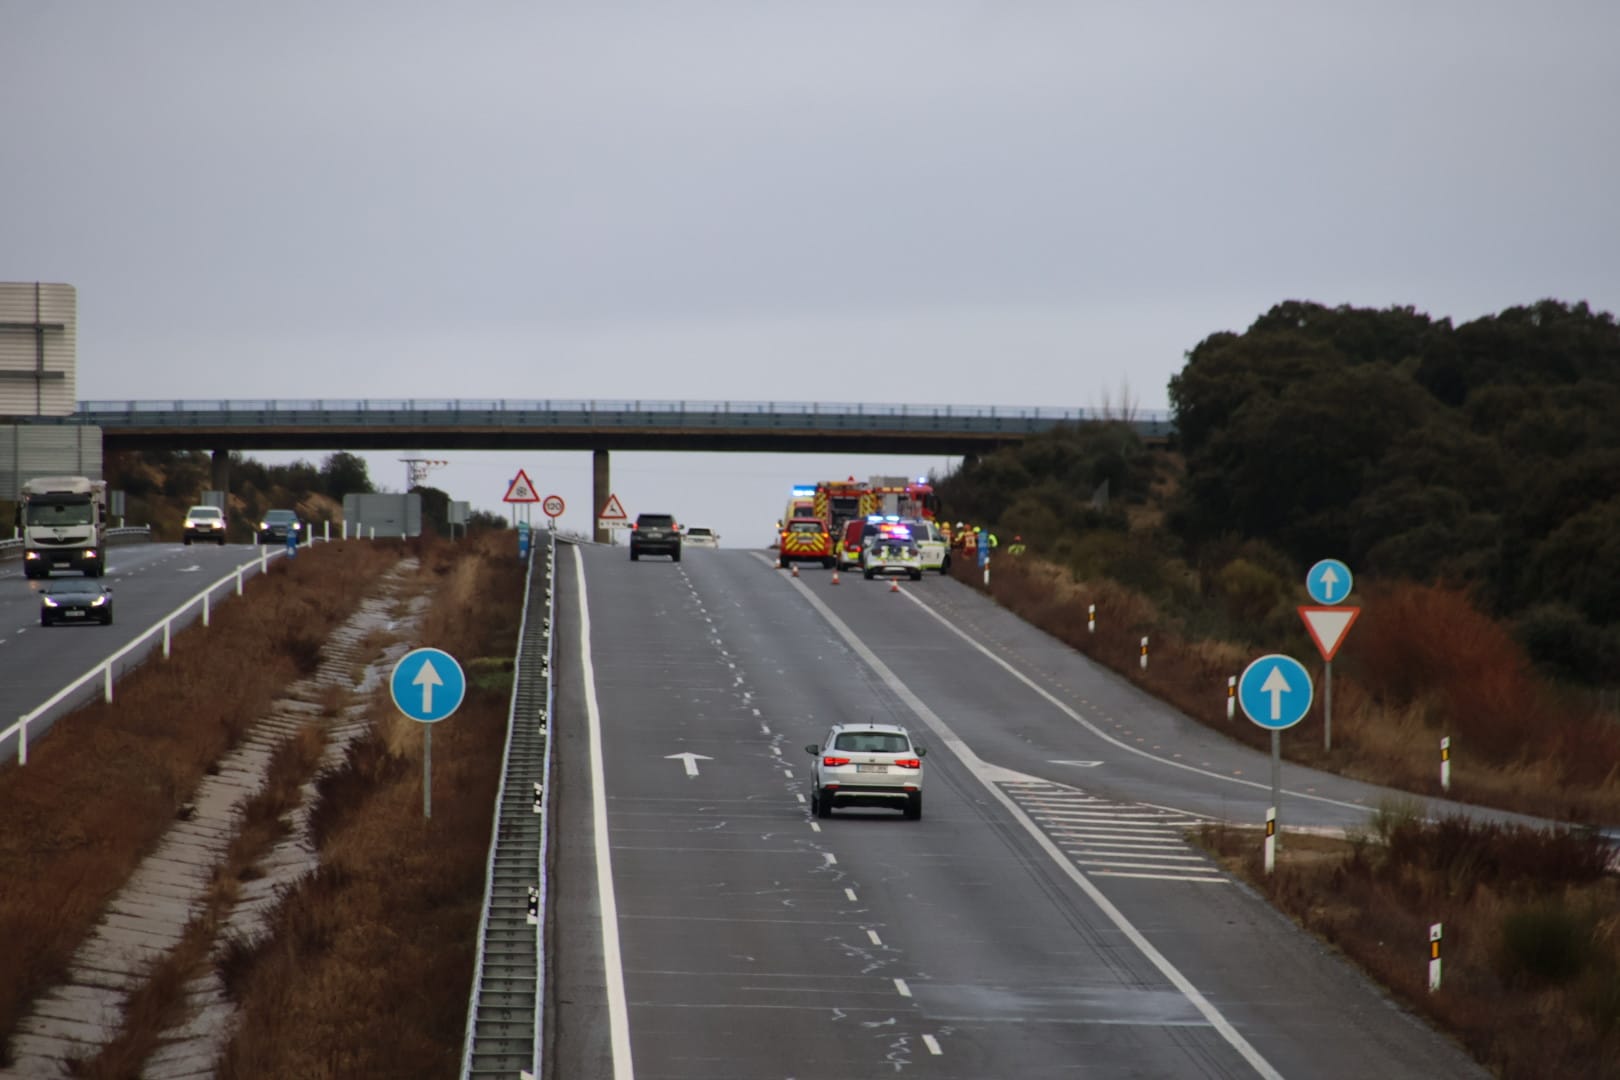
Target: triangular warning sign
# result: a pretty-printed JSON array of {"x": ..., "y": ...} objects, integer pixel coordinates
[
  {"x": 1329, "y": 626},
  {"x": 522, "y": 490},
  {"x": 612, "y": 510}
]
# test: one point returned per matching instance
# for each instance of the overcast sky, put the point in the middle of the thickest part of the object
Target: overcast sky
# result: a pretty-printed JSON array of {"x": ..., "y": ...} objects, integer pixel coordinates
[{"x": 1002, "y": 202}]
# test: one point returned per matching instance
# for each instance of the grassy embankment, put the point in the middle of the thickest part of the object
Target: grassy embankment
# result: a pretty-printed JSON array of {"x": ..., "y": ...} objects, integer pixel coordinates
[
  {"x": 1531, "y": 921},
  {"x": 101, "y": 788},
  {"x": 371, "y": 961}
]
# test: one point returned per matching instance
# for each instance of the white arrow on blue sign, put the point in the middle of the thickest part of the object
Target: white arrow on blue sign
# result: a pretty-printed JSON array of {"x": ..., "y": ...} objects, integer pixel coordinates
[
  {"x": 428, "y": 685},
  {"x": 1275, "y": 691},
  {"x": 1329, "y": 582}
]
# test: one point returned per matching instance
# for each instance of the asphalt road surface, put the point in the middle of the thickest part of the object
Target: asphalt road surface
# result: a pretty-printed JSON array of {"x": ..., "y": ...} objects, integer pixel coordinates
[
  {"x": 1043, "y": 919},
  {"x": 148, "y": 581}
]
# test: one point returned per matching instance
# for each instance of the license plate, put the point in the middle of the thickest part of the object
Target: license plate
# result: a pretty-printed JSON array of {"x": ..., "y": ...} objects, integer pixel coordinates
[
  {"x": 75, "y": 614},
  {"x": 872, "y": 768}
]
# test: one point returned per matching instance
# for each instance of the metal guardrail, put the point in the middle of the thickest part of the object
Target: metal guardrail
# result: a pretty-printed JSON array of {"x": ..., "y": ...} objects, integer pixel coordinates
[
  {"x": 506, "y": 1012},
  {"x": 11, "y": 548},
  {"x": 106, "y": 667}
]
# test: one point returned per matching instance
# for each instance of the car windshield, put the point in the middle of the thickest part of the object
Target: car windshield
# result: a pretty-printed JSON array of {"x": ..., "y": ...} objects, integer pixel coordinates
[
  {"x": 873, "y": 742},
  {"x": 805, "y": 526},
  {"x": 697, "y": 532},
  {"x": 280, "y": 515},
  {"x": 64, "y": 588},
  {"x": 656, "y": 521},
  {"x": 204, "y": 513}
]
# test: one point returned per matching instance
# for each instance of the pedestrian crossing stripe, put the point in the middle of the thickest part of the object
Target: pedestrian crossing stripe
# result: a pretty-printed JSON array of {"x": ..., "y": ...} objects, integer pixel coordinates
[{"x": 1114, "y": 839}]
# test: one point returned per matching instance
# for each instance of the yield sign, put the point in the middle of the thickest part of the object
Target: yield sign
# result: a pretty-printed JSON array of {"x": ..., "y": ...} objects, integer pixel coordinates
[
  {"x": 522, "y": 490},
  {"x": 612, "y": 510},
  {"x": 1328, "y": 626}
]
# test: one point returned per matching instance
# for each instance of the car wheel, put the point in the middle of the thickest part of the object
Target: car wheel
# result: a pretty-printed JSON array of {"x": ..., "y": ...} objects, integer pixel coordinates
[
  {"x": 187, "y": 541},
  {"x": 676, "y": 555},
  {"x": 106, "y": 620},
  {"x": 635, "y": 556},
  {"x": 222, "y": 541},
  {"x": 828, "y": 564},
  {"x": 914, "y": 806},
  {"x": 823, "y": 803},
  {"x": 869, "y": 575},
  {"x": 44, "y": 620},
  {"x": 781, "y": 562},
  {"x": 945, "y": 567},
  {"x": 915, "y": 575}
]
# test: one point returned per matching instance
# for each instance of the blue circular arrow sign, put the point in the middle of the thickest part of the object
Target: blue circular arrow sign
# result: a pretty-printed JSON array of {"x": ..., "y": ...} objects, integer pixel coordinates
[
  {"x": 1329, "y": 582},
  {"x": 1275, "y": 691},
  {"x": 428, "y": 685}
]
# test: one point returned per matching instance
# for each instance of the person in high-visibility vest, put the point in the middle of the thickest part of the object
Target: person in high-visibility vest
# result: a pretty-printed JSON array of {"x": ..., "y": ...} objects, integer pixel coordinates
[{"x": 1016, "y": 547}]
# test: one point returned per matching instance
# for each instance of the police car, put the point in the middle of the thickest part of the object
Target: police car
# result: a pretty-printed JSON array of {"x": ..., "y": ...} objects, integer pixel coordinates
[
  {"x": 935, "y": 553},
  {"x": 891, "y": 552}
]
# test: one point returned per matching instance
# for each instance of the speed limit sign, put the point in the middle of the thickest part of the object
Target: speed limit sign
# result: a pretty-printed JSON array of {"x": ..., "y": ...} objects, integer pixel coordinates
[{"x": 553, "y": 506}]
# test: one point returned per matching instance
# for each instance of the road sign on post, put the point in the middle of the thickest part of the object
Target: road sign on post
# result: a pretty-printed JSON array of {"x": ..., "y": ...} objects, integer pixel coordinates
[
  {"x": 1328, "y": 627},
  {"x": 612, "y": 515},
  {"x": 1275, "y": 692},
  {"x": 1329, "y": 582},
  {"x": 521, "y": 489},
  {"x": 427, "y": 685},
  {"x": 553, "y": 507}
]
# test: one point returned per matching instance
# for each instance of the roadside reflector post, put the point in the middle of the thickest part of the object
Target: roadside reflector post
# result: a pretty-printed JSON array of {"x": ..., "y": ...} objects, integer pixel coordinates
[
  {"x": 1091, "y": 618},
  {"x": 1144, "y": 654},
  {"x": 238, "y": 581},
  {"x": 264, "y": 560},
  {"x": 106, "y": 692},
  {"x": 373, "y": 534},
  {"x": 22, "y": 741},
  {"x": 538, "y": 798},
  {"x": 326, "y": 532},
  {"x": 345, "y": 525},
  {"x": 206, "y": 605},
  {"x": 1434, "y": 957},
  {"x": 1231, "y": 696},
  {"x": 1271, "y": 839},
  {"x": 167, "y": 623},
  {"x": 1445, "y": 763},
  {"x": 987, "y": 573}
]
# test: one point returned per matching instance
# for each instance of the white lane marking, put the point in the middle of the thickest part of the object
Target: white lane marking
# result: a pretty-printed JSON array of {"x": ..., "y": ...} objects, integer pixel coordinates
[
  {"x": 787, "y": 772},
  {"x": 933, "y": 1045},
  {"x": 1161, "y": 877},
  {"x": 832, "y": 860},
  {"x": 777, "y": 750},
  {"x": 765, "y": 729},
  {"x": 612, "y": 958},
  {"x": 872, "y": 935},
  {"x": 799, "y": 795},
  {"x": 851, "y": 894},
  {"x": 900, "y": 985},
  {"x": 1104, "y": 736},
  {"x": 815, "y": 826},
  {"x": 983, "y": 771}
]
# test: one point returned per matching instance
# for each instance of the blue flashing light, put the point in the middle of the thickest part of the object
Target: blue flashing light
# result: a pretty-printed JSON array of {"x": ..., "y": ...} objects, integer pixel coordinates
[{"x": 806, "y": 490}]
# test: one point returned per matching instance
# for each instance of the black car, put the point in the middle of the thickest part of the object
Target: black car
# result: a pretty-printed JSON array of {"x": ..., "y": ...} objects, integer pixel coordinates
[
  {"x": 82, "y": 600},
  {"x": 655, "y": 534},
  {"x": 276, "y": 524}
]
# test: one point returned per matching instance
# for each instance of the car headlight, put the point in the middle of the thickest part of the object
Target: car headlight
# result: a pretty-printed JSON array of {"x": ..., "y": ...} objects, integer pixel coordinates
[
  {"x": 27, "y": 555},
  {"x": 98, "y": 601},
  {"x": 50, "y": 603},
  {"x": 264, "y": 524}
]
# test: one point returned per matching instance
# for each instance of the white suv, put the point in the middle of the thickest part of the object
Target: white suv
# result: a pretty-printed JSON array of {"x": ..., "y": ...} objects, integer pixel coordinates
[{"x": 867, "y": 765}]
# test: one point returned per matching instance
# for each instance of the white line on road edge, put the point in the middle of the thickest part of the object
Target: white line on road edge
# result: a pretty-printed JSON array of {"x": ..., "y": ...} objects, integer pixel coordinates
[
  {"x": 982, "y": 771},
  {"x": 933, "y": 1045},
  {"x": 901, "y": 987},
  {"x": 612, "y": 959}
]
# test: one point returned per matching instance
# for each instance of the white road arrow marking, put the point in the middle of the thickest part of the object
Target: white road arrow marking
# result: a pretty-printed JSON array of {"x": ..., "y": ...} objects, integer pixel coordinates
[
  {"x": 689, "y": 759},
  {"x": 1329, "y": 579},
  {"x": 427, "y": 679},
  {"x": 1276, "y": 685}
]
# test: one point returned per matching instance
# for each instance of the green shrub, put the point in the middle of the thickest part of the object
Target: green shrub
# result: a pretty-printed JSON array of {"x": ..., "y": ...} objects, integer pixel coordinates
[
  {"x": 1545, "y": 942},
  {"x": 1249, "y": 591}
]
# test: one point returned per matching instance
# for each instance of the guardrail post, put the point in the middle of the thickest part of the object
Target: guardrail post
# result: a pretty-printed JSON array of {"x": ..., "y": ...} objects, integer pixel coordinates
[
  {"x": 206, "y": 605},
  {"x": 106, "y": 692},
  {"x": 166, "y": 624}
]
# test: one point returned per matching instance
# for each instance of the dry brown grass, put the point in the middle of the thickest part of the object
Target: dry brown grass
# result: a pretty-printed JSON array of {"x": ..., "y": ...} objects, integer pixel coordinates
[
  {"x": 1421, "y": 663},
  {"x": 371, "y": 964},
  {"x": 101, "y": 788},
  {"x": 1531, "y": 958}
]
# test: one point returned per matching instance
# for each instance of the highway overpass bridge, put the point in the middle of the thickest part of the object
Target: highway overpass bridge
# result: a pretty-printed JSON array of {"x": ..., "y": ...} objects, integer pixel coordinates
[{"x": 601, "y": 427}]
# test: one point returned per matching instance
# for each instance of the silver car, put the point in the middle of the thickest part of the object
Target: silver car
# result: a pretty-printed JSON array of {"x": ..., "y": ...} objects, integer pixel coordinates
[
  {"x": 697, "y": 536},
  {"x": 867, "y": 765}
]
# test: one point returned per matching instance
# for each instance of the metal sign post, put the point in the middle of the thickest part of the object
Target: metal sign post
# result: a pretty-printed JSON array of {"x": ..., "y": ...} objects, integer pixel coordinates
[
  {"x": 1275, "y": 692},
  {"x": 1329, "y": 582},
  {"x": 427, "y": 686}
]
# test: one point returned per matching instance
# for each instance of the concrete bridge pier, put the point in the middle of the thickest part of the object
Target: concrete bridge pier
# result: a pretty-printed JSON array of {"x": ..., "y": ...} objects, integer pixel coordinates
[
  {"x": 222, "y": 472},
  {"x": 601, "y": 488}
]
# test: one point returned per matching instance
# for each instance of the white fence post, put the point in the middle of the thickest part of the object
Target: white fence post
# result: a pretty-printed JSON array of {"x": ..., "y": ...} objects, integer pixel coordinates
[
  {"x": 264, "y": 561},
  {"x": 327, "y": 531},
  {"x": 22, "y": 741},
  {"x": 106, "y": 692},
  {"x": 166, "y": 624},
  {"x": 238, "y": 581},
  {"x": 206, "y": 605}
]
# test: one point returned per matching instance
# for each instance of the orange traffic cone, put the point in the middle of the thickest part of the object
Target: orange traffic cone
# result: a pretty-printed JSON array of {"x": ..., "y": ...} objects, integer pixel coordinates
[
  {"x": 795, "y": 569},
  {"x": 835, "y": 576},
  {"x": 894, "y": 585}
]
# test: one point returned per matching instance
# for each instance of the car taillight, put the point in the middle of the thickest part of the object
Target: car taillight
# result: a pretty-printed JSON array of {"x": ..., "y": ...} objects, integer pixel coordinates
[
  {"x": 830, "y": 760},
  {"x": 909, "y": 762}
]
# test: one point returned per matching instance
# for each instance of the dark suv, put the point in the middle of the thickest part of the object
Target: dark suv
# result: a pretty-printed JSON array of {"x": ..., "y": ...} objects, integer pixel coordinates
[{"x": 655, "y": 534}]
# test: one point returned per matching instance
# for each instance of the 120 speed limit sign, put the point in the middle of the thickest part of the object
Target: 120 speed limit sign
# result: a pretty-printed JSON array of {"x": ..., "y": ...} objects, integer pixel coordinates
[{"x": 553, "y": 506}]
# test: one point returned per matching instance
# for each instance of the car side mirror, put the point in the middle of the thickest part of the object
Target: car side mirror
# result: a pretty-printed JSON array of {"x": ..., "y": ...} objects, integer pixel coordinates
[
  {"x": 922, "y": 751},
  {"x": 812, "y": 749}
]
